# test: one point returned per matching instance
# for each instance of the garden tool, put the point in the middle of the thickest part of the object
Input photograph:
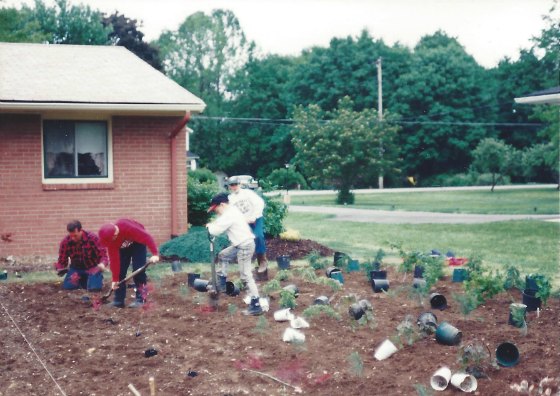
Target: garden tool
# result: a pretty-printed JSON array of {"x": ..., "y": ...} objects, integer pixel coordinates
[
  {"x": 133, "y": 274},
  {"x": 215, "y": 291}
]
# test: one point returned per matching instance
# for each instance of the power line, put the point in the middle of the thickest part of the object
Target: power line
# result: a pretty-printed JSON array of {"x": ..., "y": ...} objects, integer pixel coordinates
[{"x": 289, "y": 121}]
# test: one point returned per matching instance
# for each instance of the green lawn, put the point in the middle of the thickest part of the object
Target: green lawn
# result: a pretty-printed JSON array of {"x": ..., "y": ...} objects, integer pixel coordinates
[
  {"x": 529, "y": 201},
  {"x": 532, "y": 246}
]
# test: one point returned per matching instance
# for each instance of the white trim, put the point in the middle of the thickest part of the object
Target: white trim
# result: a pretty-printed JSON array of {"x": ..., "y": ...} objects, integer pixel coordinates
[
  {"x": 119, "y": 108},
  {"x": 76, "y": 180},
  {"x": 540, "y": 99}
]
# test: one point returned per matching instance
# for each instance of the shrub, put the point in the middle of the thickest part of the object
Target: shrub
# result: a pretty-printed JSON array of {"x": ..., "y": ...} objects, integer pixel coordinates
[
  {"x": 193, "y": 246},
  {"x": 201, "y": 187},
  {"x": 279, "y": 178},
  {"x": 318, "y": 310},
  {"x": 345, "y": 197},
  {"x": 275, "y": 212}
]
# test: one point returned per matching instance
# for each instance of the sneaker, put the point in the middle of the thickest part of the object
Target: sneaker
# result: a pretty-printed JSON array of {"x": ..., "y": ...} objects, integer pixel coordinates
[
  {"x": 136, "y": 304},
  {"x": 117, "y": 304},
  {"x": 255, "y": 308}
]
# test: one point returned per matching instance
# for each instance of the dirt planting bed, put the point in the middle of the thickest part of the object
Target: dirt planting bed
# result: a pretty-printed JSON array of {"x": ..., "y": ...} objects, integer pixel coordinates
[{"x": 101, "y": 351}]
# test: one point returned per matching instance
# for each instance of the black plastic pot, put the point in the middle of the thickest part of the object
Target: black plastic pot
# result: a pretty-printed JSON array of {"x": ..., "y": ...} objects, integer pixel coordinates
[
  {"x": 338, "y": 256},
  {"x": 321, "y": 300},
  {"x": 418, "y": 271},
  {"x": 222, "y": 280},
  {"x": 418, "y": 283},
  {"x": 201, "y": 285},
  {"x": 517, "y": 307},
  {"x": 231, "y": 289},
  {"x": 176, "y": 266},
  {"x": 438, "y": 301},
  {"x": 531, "y": 283},
  {"x": 4, "y": 275},
  {"x": 283, "y": 262},
  {"x": 377, "y": 274},
  {"x": 529, "y": 299},
  {"x": 427, "y": 321},
  {"x": 379, "y": 285},
  {"x": 447, "y": 334},
  {"x": 292, "y": 289},
  {"x": 191, "y": 277},
  {"x": 356, "y": 311},
  {"x": 459, "y": 275},
  {"x": 507, "y": 354}
]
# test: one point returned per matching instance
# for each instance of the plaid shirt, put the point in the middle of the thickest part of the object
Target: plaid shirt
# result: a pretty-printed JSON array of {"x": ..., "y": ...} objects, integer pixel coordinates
[{"x": 83, "y": 255}]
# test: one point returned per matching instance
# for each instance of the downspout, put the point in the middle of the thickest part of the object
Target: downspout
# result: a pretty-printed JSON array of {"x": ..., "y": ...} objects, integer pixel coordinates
[{"x": 173, "y": 146}]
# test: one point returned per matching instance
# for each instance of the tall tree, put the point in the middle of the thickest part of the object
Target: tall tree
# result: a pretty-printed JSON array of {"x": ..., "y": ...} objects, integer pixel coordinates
[
  {"x": 441, "y": 99},
  {"x": 125, "y": 33},
  {"x": 69, "y": 24},
  {"x": 342, "y": 147},
  {"x": 19, "y": 26}
]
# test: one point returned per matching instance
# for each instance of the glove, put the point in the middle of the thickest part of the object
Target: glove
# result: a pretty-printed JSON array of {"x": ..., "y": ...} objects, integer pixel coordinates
[
  {"x": 102, "y": 267},
  {"x": 154, "y": 259},
  {"x": 62, "y": 272}
]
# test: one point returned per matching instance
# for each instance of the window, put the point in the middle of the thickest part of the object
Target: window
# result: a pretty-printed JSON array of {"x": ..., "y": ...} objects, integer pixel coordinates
[{"x": 75, "y": 149}]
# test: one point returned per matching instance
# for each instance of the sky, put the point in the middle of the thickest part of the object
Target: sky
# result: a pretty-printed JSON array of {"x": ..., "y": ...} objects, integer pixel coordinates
[{"x": 488, "y": 29}]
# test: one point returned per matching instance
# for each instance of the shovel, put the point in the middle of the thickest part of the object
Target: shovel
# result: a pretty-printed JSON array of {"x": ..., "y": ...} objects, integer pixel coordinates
[
  {"x": 214, "y": 293},
  {"x": 133, "y": 274}
]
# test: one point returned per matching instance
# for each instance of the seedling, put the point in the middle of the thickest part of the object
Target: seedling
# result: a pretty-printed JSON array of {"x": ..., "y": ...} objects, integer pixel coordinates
[
  {"x": 232, "y": 310},
  {"x": 467, "y": 302},
  {"x": 475, "y": 358},
  {"x": 306, "y": 273},
  {"x": 272, "y": 286},
  {"x": 283, "y": 275},
  {"x": 513, "y": 278},
  {"x": 422, "y": 390},
  {"x": 287, "y": 299},
  {"x": 315, "y": 261},
  {"x": 333, "y": 284},
  {"x": 367, "y": 319},
  {"x": 183, "y": 291},
  {"x": 407, "y": 331},
  {"x": 317, "y": 310},
  {"x": 356, "y": 364},
  {"x": 261, "y": 327}
]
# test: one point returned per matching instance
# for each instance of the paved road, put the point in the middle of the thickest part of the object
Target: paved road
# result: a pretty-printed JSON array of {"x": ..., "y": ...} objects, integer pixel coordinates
[{"x": 406, "y": 217}]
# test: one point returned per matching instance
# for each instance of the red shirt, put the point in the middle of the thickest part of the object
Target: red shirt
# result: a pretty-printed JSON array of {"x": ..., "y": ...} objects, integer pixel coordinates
[
  {"x": 129, "y": 231},
  {"x": 83, "y": 255}
]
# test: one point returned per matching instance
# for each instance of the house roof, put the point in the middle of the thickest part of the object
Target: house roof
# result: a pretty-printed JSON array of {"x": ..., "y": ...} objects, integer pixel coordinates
[
  {"x": 546, "y": 96},
  {"x": 48, "y": 76}
]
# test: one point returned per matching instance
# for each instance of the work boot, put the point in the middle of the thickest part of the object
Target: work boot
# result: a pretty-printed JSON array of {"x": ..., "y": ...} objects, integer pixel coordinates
[
  {"x": 255, "y": 307},
  {"x": 117, "y": 304},
  {"x": 136, "y": 304},
  {"x": 261, "y": 274}
]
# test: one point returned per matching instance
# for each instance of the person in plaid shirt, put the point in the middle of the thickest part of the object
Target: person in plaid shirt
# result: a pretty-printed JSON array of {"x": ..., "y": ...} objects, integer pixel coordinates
[{"x": 81, "y": 258}]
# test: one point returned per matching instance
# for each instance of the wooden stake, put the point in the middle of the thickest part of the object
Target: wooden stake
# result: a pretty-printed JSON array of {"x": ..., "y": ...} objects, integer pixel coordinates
[
  {"x": 134, "y": 390},
  {"x": 297, "y": 389},
  {"x": 152, "y": 386}
]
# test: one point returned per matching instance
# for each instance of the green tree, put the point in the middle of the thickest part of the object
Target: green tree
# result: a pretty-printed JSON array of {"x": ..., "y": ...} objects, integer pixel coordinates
[
  {"x": 444, "y": 88},
  {"x": 69, "y": 24},
  {"x": 18, "y": 26},
  {"x": 125, "y": 33},
  {"x": 495, "y": 157},
  {"x": 342, "y": 147}
]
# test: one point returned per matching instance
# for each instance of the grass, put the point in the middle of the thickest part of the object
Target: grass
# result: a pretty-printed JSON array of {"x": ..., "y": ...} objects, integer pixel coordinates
[
  {"x": 529, "y": 201},
  {"x": 530, "y": 245}
]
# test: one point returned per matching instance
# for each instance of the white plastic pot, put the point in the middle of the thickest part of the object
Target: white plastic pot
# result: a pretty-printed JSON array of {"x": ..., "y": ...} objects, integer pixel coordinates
[
  {"x": 293, "y": 335},
  {"x": 385, "y": 350},
  {"x": 283, "y": 315},
  {"x": 298, "y": 323},
  {"x": 465, "y": 382},
  {"x": 440, "y": 379}
]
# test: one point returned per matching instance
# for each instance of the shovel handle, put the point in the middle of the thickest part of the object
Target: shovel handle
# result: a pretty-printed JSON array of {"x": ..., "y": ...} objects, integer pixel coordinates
[{"x": 130, "y": 276}]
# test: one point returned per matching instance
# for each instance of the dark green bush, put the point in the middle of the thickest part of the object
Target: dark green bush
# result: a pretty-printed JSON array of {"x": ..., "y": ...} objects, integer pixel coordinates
[
  {"x": 345, "y": 197},
  {"x": 275, "y": 212},
  {"x": 193, "y": 246},
  {"x": 280, "y": 178},
  {"x": 202, "y": 185}
]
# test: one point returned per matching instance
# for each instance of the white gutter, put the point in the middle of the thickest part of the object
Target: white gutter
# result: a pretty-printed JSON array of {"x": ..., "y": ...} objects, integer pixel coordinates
[
  {"x": 124, "y": 108},
  {"x": 540, "y": 99}
]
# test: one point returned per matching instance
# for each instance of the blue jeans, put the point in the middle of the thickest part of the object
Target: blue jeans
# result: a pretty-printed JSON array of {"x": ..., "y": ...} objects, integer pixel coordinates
[
  {"x": 82, "y": 280},
  {"x": 137, "y": 254},
  {"x": 258, "y": 229}
]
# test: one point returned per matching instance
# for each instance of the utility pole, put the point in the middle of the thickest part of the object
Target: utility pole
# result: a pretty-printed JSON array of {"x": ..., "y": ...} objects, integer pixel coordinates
[{"x": 380, "y": 111}]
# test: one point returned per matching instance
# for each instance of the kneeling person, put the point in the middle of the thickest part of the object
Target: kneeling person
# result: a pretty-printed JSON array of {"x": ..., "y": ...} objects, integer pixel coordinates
[
  {"x": 82, "y": 258},
  {"x": 231, "y": 221}
]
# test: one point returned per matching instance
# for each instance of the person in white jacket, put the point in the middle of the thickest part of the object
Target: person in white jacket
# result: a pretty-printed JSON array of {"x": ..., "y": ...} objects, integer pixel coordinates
[
  {"x": 231, "y": 221},
  {"x": 252, "y": 207}
]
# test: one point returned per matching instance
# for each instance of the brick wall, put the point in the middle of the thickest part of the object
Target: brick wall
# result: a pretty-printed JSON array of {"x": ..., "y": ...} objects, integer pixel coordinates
[{"x": 36, "y": 216}]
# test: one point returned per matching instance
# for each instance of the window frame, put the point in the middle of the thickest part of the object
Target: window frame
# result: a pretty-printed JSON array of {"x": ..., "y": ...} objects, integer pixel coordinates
[{"x": 83, "y": 179}]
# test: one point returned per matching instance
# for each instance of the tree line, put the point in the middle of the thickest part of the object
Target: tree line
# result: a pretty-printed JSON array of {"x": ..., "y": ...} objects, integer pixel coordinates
[{"x": 316, "y": 111}]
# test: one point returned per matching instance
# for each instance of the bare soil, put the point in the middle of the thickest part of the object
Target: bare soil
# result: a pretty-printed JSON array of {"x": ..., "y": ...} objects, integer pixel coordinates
[{"x": 92, "y": 350}]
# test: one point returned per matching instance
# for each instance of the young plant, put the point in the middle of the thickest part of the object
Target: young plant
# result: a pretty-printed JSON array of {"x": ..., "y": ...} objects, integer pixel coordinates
[
  {"x": 422, "y": 390},
  {"x": 287, "y": 299},
  {"x": 283, "y": 275},
  {"x": 317, "y": 310},
  {"x": 518, "y": 318},
  {"x": 183, "y": 291},
  {"x": 232, "y": 310},
  {"x": 475, "y": 358},
  {"x": 474, "y": 265},
  {"x": 315, "y": 260},
  {"x": 543, "y": 284},
  {"x": 407, "y": 330},
  {"x": 356, "y": 364},
  {"x": 306, "y": 273},
  {"x": 367, "y": 319},
  {"x": 484, "y": 286},
  {"x": 271, "y": 286},
  {"x": 433, "y": 269},
  {"x": 513, "y": 278},
  {"x": 467, "y": 302},
  {"x": 261, "y": 327},
  {"x": 333, "y": 284}
]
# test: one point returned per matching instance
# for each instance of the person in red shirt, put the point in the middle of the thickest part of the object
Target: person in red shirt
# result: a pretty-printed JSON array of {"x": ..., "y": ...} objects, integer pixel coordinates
[
  {"x": 82, "y": 258},
  {"x": 126, "y": 240}
]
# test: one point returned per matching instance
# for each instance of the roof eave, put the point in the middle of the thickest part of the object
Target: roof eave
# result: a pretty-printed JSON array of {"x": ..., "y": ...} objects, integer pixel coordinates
[
  {"x": 540, "y": 99},
  {"x": 114, "y": 108}
]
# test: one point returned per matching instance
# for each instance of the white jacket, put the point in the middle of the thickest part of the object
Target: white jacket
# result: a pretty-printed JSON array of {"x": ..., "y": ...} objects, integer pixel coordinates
[
  {"x": 232, "y": 222},
  {"x": 248, "y": 202}
]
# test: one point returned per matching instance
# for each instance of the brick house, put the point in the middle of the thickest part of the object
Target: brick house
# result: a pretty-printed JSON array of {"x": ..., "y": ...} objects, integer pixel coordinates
[{"x": 91, "y": 133}]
